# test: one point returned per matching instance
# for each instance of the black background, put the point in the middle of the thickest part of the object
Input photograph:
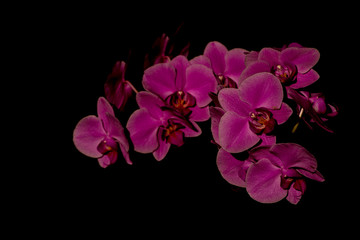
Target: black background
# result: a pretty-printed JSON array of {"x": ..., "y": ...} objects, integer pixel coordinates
[{"x": 73, "y": 49}]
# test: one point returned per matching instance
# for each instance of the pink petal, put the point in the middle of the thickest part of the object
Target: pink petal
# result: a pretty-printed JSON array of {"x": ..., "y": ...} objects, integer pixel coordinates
[
  {"x": 230, "y": 100},
  {"x": 229, "y": 168},
  {"x": 294, "y": 156},
  {"x": 88, "y": 134},
  {"x": 125, "y": 153},
  {"x": 200, "y": 114},
  {"x": 104, "y": 108},
  {"x": 160, "y": 79},
  {"x": 303, "y": 58},
  {"x": 150, "y": 102},
  {"x": 305, "y": 79},
  {"x": 269, "y": 55},
  {"x": 188, "y": 132},
  {"x": 116, "y": 131},
  {"x": 216, "y": 114},
  {"x": 235, "y": 134},
  {"x": 143, "y": 130},
  {"x": 253, "y": 68},
  {"x": 294, "y": 196},
  {"x": 282, "y": 115},
  {"x": 216, "y": 52},
  {"x": 263, "y": 182},
  {"x": 203, "y": 60},
  {"x": 180, "y": 63},
  {"x": 235, "y": 63},
  {"x": 160, "y": 153},
  {"x": 262, "y": 90},
  {"x": 200, "y": 81},
  {"x": 317, "y": 176}
]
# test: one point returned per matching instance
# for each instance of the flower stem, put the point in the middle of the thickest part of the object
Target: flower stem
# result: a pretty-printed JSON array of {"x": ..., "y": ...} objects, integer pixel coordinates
[{"x": 132, "y": 87}]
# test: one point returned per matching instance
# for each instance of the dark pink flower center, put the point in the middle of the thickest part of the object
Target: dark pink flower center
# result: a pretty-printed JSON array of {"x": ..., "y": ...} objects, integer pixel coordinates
[
  {"x": 225, "y": 82},
  {"x": 261, "y": 121},
  {"x": 286, "y": 74},
  {"x": 182, "y": 102},
  {"x": 109, "y": 147},
  {"x": 172, "y": 133},
  {"x": 297, "y": 183}
]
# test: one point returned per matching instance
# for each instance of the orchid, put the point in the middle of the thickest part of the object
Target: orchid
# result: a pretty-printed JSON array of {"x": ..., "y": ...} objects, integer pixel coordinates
[
  {"x": 226, "y": 65},
  {"x": 292, "y": 65},
  {"x": 246, "y": 95},
  {"x": 102, "y": 136},
  {"x": 251, "y": 113},
  {"x": 154, "y": 128},
  {"x": 183, "y": 86}
]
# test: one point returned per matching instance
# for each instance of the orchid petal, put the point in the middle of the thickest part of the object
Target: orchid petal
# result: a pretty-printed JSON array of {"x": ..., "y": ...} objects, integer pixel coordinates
[
  {"x": 216, "y": 52},
  {"x": 282, "y": 115},
  {"x": 305, "y": 79},
  {"x": 229, "y": 168},
  {"x": 235, "y": 63},
  {"x": 303, "y": 58},
  {"x": 230, "y": 100}
]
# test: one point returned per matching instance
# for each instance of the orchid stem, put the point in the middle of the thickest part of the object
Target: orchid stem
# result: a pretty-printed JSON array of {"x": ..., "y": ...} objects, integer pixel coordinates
[{"x": 132, "y": 87}]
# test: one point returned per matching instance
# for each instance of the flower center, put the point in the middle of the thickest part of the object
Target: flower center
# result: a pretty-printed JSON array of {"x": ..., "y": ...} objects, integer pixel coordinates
[
  {"x": 107, "y": 145},
  {"x": 285, "y": 73},
  {"x": 261, "y": 121},
  {"x": 225, "y": 82},
  {"x": 172, "y": 133},
  {"x": 182, "y": 101}
]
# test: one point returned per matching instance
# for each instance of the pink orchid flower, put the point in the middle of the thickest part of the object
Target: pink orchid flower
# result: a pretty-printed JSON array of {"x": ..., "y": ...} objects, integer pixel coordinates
[
  {"x": 251, "y": 113},
  {"x": 102, "y": 136},
  {"x": 154, "y": 127},
  {"x": 226, "y": 65},
  {"x": 292, "y": 65},
  {"x": 184, "y": 87}
]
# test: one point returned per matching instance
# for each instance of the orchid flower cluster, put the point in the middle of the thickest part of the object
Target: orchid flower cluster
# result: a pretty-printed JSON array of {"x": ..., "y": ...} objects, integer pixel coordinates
[{"x": 245, "y": 95}]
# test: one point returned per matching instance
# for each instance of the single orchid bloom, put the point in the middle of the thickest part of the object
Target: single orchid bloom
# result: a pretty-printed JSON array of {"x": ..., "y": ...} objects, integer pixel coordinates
[
  {"x": 279, "y": 171},
  {"x": 251, "y": 113},
  {"x": 184, "y": 87},
  {"x": 292, "y": 65},
  {"x": 102, "y": 136},
  {"x": 155, "y": 127},
  {"x": 117, "y": 89},
  {"x": 163, "y": 52},
  {"x": 226, "y": 65}
]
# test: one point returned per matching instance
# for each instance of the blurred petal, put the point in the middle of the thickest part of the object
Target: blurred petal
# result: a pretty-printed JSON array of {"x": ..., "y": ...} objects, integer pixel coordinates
[
  {"x": 200, "y": 81},
  {"x": 263, "y": 181},
  {"x": 216, "y": 52},
  {"x": 235, "y": 134},
  {"x": 262, "y": 90},
  {"x": 143, "y": 131},
  {"x": 229, "y": 168},
  {"x": 87, "y": 136},
  {"x": 160, "y": 79},
  {"x": 104, "y": 108}
]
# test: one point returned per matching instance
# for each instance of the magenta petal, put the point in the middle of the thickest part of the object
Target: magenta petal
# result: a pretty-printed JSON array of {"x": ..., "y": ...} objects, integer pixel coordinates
[
  {"x": 87, "y": 135},
  {"x": 125, "y": 153},
  {"x": 263, "y": 181},
  {"x": 151, "y": 102},
  {"x": 294, "y": 156},
  {"x": 303, "y": 58},
  {"x": 235, "y": 63},
  {"x": 230, "y": 100},
  {"x": 143, "y": 131},
  {"x": 116, "y": 131},
  {"x": 216, "y": 52},
  {"x": 104, "y": 161},
  {"x": 317, "y": 176},
  {"x": 104, "y": 108},
  {"x": 269, "y": 55},
  {"x": 216, "y": 114},
  {"x": 229, "y": 168},
  {"x": 203, "y": 60},
  {"x": 282, "y": 115},
  {"x": 235, "y": 134},
  {"x": 180, "y": 63},
  {"x": 200, "y": 81},
  {"x": 305, "y": 79},
  {"x": 253, "y": 68},
  {"x": 195, "y": 132},
  {"x": 160, "y": 79},
  {"x": 294, "y": 196},
  {"x": 200, "y": 114},
  {"x": 160, "y": 153},
  {"x": 262, "y": 90}
]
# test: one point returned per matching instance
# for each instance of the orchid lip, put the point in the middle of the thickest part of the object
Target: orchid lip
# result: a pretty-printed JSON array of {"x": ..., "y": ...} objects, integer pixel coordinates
[
  {"x": 285, "y": 73},
  {"x": 261, "y": 121},
  {"x": 182, "y": 102}
]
